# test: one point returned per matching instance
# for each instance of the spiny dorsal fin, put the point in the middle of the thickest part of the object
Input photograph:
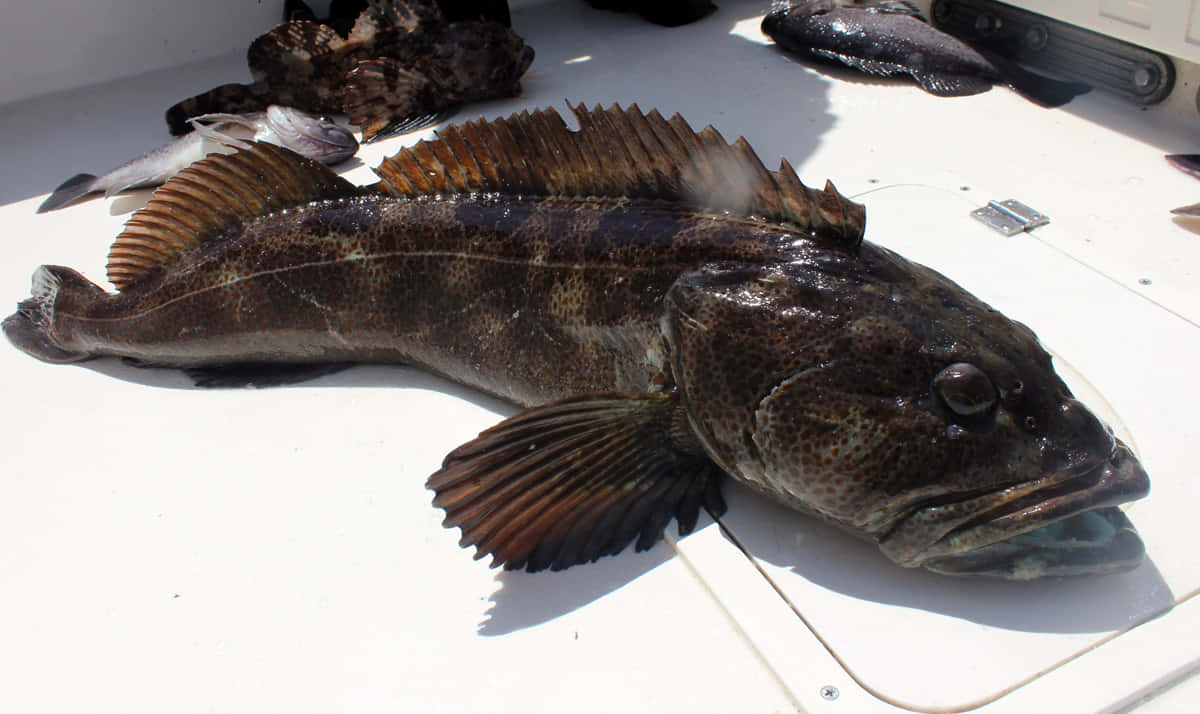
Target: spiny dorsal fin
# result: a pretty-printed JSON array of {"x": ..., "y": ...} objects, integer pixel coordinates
[
  {"x": 618, "y": 153},
  {"x": 212, "y": 195}
]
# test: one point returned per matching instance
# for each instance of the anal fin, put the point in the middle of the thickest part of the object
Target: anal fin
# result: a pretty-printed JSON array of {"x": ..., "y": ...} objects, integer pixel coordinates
[
  {"x": 261, "y": 374},
  {"x": 571, "y": 482}
]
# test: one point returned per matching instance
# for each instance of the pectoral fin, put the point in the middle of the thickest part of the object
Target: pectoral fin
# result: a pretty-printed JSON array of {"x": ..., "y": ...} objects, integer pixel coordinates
[
  {"x": 382, "y": 95},
  {"x": 570, "y": 482}
]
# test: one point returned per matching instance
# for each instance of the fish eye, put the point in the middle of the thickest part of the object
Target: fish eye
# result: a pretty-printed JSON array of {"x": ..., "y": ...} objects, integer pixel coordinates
[{"x": 965, "y": 389}]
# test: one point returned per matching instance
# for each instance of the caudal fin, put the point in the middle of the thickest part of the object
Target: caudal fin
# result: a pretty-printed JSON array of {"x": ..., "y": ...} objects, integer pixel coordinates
[
  {"x": 30, "y": 328},
  {"x": 69, "y": 191}
]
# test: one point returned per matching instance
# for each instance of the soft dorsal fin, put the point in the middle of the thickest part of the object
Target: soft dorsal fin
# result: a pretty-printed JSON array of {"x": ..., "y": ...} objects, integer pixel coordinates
[
  {"x": 212, "y": 195},
  {"x": 618, "y": 153}
]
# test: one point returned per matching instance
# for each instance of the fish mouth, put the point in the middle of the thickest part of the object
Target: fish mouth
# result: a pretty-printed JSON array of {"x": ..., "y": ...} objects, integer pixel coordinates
[{"x": 1063, "y": 525}]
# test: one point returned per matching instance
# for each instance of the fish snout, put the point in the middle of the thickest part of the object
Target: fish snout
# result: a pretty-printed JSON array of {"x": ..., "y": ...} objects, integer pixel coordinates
[{"x": 1074, "y": 440}]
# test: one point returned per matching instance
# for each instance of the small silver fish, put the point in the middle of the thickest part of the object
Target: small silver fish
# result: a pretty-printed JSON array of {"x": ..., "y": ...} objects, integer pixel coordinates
[{"x": 313, "y": 137}]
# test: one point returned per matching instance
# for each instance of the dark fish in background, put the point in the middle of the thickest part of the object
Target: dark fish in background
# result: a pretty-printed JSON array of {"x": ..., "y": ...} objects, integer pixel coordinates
[
  {"x": 313, "y": 137},
  {"x": 668, "y": 311},
  {"x": 891, "y": 38},
  {"x": 343, "y": 13},
  {"x": 669, "y": 13},
  {"x": 402, "y": 66},
  {"x": 1190, "y": 165}
]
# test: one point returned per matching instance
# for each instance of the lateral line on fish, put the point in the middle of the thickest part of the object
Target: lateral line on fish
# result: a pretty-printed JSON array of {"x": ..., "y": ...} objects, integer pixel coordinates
[{"x": 382, "y": 256}]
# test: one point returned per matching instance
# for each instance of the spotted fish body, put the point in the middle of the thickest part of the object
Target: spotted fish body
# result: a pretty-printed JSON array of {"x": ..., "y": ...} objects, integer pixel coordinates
[
  {"x": 889, "y": 38},
  {"x": 402, "y": 64},
  {"x": 668, "y": 314}
]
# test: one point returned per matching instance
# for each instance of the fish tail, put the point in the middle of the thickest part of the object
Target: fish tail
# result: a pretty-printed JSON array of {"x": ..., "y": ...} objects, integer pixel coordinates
[
  {"x": 225, "y": 99},
  {"x": 69, "y": 191},
  {"x": 31, "y": 327}
]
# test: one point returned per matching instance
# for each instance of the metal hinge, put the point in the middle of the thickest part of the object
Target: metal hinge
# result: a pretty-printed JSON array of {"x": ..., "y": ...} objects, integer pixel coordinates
[{"x": 1010, "y": 217}]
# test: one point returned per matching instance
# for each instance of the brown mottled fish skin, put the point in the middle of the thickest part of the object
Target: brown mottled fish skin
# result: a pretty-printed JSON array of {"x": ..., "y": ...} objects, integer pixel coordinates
[
  {"x": 307, "y": 65},
  {"x": 501, "y": 296},
  {"x": 661, "y": 339}
]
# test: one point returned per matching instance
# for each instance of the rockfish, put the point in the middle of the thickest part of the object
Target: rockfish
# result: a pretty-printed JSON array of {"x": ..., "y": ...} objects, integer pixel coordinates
[
  {"x": 669, "y": 313},
  {"x": 402, "y": 66},
  {"x": 316, "y": 138},
  {"x": 889, "y": 37}
]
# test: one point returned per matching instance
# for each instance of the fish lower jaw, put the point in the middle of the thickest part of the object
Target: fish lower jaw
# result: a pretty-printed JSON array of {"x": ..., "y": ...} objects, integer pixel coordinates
[
  {"x": 1100, "y": 542},
  {"x": 1071, "y": 528}
]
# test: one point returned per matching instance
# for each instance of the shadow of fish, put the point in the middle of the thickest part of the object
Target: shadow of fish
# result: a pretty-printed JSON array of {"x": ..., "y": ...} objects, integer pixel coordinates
[
  {"x": 313, "y": 137},
  {"x": 1190, "y": 165},
  {"x": 668, "y": 311},
  {"x": 890, "y": 38},
  {"x": 669, "y": 13},
  {"x": 343, "y": 13},
  {"x": 401, "y": 67}
]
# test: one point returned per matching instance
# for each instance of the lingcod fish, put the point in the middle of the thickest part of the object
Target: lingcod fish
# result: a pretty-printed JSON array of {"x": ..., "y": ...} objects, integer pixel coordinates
[
  {"x": 890, "y": 38},
  {"x": 401, "y": 67},
  {"x": 315, "y": 137},
  {"x": 668, "y": 312}
]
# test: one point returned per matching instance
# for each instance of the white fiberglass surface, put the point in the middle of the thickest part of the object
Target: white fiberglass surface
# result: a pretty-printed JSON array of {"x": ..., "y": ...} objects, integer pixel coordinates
[{"x": 175, "y": 548}]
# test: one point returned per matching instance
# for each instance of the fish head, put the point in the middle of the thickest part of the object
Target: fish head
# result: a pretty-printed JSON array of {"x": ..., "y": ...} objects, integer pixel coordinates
[
  {"x": 880, "y": 396},
  {"x": 486, "y": 60},
  {"x": 317, "y": 138}
]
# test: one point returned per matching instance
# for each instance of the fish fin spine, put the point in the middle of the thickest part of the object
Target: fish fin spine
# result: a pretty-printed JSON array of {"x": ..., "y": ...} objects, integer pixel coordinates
[
  {"x": 570, "y": 482},
  {"x": 69, "y": 191},
  {"x": 214, "y": 194},
  {"x": 617, "y": 153}
]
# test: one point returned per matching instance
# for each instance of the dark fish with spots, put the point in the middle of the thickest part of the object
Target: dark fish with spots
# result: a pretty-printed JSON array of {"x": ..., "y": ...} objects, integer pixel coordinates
[
  {"x": 669, "y": 312},
  {"x": 889, "y": 38},
  {"x": 315, "y": 137},
  {"x": 402, "y": 66}
]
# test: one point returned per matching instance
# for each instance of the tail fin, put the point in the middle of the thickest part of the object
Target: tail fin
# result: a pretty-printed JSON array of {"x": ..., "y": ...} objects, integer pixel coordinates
[
  {"x": 225, "y": 99},
  {"x": 30, "y": 328},
  {"x": 69, "y": 191}
]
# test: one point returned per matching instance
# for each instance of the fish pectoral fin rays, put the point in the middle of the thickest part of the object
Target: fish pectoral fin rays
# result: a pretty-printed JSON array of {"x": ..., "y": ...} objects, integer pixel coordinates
[
  {"x": 382, "y": 93},
  {"x": 69, "y": 191},
  {"x": 570, "y": 482},
  {"x": 261, "y": 374},
  {"x": 952, "y": 85}
]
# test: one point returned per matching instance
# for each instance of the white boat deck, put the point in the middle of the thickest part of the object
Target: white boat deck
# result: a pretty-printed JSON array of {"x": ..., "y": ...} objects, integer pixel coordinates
[{"x": 170, "y": 549}]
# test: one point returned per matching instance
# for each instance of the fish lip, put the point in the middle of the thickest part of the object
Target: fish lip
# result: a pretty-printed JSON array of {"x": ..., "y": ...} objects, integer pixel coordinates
[
  {"x": 1019, "y": 537},
  {"x": 1096, "y": 542}
]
